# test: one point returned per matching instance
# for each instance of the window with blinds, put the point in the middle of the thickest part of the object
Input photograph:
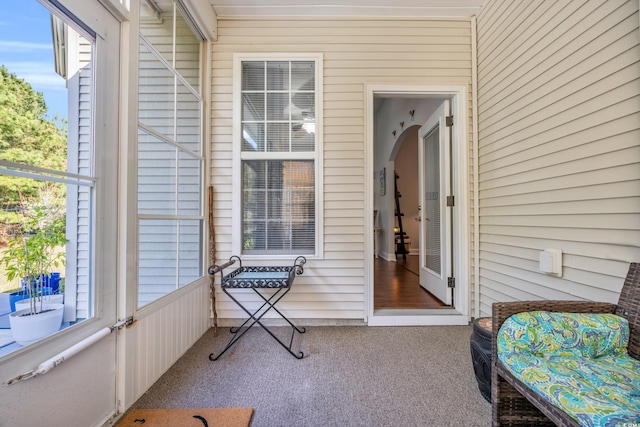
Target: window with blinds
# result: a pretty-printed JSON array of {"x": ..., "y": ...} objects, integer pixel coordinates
[{"x": 278, "y": 157}]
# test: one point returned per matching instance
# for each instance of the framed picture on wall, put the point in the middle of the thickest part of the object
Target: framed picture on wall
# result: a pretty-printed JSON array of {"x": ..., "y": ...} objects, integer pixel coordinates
[{"x": 383, "y": 181}]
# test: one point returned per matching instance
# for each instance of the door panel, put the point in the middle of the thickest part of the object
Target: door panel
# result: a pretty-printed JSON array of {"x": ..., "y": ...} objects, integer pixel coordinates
[{"x": 434, "y": 153}]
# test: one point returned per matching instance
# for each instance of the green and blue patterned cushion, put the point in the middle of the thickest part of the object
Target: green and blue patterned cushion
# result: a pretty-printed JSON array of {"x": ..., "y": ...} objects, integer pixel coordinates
[{"x": 577, "y": 361}]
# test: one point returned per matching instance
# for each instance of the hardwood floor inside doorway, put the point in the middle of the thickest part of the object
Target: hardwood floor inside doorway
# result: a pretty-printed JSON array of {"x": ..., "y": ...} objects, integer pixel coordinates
[{"x": 397, "y": 285}]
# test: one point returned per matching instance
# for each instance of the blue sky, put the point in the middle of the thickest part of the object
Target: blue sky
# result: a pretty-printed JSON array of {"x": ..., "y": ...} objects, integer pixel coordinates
[{"x": 26, "y": 50}]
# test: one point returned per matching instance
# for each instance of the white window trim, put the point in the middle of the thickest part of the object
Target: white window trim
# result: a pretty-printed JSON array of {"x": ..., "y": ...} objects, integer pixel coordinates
[{"x": 317, "y": 156}]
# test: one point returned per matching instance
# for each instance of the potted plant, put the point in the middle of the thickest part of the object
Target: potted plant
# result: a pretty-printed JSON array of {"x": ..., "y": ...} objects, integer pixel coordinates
[{"x": 32, "y": 256}]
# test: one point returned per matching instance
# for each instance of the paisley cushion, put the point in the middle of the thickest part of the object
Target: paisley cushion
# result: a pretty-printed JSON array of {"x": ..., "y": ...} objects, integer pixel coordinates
[{"x": 577, "y": 361}]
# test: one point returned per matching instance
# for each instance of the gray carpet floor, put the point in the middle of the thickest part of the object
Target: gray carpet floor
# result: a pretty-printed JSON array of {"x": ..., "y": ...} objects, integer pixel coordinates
[{"x": 349, "y": 376}]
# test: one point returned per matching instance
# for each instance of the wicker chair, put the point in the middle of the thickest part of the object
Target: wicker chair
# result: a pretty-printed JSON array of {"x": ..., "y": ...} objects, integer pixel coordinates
[{"x": 513, "y": 403}]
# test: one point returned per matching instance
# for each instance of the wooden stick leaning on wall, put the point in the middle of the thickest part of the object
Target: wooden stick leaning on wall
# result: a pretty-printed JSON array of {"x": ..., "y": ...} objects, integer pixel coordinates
[{"x": 212, "y": 260}]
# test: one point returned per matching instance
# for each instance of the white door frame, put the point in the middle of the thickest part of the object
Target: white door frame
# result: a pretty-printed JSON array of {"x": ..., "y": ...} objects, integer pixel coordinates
[{"x": 461, "y": 217}]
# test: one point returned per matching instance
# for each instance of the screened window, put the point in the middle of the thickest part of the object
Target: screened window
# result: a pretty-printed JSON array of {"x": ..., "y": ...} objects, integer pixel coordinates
[
  {"x": 54, "y": 176},
  {"x": 170, "y": 160},
  {"x": 279, "y": 155}
]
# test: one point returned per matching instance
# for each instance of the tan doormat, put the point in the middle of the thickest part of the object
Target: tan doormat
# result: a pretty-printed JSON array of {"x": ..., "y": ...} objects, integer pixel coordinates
[{"x": 206, "y": 417}]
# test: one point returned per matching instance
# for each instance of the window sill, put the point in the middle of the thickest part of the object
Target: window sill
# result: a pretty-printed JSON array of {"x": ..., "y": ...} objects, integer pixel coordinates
[{"x": 7, "y": 344}]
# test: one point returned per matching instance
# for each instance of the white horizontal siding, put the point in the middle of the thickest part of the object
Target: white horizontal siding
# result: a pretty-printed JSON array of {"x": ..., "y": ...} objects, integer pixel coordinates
[
  {"x": 355, "y": 53},
  {"x": 559, "y": 157}
]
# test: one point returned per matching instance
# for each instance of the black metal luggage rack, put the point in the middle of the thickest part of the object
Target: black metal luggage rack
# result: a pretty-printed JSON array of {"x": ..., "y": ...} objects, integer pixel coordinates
[{"x": 259, "y": 277}]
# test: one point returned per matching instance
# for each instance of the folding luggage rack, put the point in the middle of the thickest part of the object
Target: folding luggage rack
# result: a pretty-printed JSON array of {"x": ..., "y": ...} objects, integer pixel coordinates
[{"x": 256, "y": 278}]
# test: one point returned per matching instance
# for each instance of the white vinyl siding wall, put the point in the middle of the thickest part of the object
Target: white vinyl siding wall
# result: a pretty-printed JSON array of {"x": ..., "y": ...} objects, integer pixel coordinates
[
  {"x": 356, "y": 53},
  {"x": 559, "y": 152}
]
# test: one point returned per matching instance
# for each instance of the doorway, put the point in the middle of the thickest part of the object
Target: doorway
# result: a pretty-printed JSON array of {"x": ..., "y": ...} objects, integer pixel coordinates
[
  {"x": 397, "y": 272},
  {"x": 396, "y": 115}
]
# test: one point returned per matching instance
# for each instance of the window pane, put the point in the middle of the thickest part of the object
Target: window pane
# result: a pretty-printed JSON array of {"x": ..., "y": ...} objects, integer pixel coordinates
[
  {"x": 170, "y": 257},
  {"x": 156, "y": 24},
  {"x": 47, "y": 219},
  {"x": 303, "y": 230},
  {"x": 174, "y": 41},
  {"x": 156, "y": 175},
  {"x": 303, "y": 76},
  {"x": 289, "y": 117},
  {"x": 157, "y": 259},
  {"x": 190, "y": 261},
  {"x": 187, "y": 52},
  {"x": 252, "y": 107},
  {"x": 278, "y": 75},
  {"x": 156, "y": 88},
  {"x": 253, "y": 75},
  {"x": 169, "y": 180},
  {"x": 37, "y": 114},
  {"x": 278, "y": 137},
  {"x": 277, "y": 106},
  {"x": 189, "y": 184},
  {"x": 253, "y": 137},
  {"x": 188, "y": 119},
  {"x": 303, "y": 107},
  {"x": 303, "y": 136},
  {"x": 278, "y": 207},
  {"x": 36, "y": 246}
]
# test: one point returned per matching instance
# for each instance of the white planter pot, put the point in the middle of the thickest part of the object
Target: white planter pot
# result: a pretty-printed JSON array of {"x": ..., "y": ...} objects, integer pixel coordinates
[
  {"x": 46, "y": 299},
  {"x": 27, "y": 328}
]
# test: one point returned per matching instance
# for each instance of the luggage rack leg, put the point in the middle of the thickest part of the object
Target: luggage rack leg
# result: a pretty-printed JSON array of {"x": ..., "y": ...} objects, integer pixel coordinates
[
  {"x": 255, "y": 318},
  {"x": 235, "y": 329}
]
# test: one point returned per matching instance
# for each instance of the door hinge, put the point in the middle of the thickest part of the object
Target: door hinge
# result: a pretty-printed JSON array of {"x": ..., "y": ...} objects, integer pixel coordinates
[
  {"x": 451, "y": 282},
  {"x": 449, "y": 121},
  {"x": 450, "y": 201}
]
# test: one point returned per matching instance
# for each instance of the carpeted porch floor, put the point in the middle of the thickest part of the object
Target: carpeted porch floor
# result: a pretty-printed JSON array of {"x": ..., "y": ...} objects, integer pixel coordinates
[{"x": 350, "y": 376}]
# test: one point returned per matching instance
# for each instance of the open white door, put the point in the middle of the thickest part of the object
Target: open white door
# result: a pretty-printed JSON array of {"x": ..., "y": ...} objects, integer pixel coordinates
[{"x": 434, "y": 152}]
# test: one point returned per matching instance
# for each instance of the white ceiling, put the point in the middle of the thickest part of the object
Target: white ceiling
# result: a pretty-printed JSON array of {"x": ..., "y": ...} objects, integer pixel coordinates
[{"x": 347, "y": 8}]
